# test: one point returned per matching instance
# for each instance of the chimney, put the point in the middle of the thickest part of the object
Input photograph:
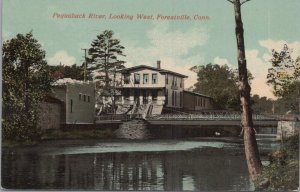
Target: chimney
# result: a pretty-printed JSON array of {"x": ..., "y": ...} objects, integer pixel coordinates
[{"x": 158, "y": 64}]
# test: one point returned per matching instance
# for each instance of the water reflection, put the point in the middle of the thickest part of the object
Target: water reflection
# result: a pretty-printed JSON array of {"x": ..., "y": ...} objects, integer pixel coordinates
[{"x": 193, "y": 169}]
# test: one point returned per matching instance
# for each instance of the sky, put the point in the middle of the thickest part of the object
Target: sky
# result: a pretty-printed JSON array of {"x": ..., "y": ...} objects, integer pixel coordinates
[{"x": 179, "y": 44}]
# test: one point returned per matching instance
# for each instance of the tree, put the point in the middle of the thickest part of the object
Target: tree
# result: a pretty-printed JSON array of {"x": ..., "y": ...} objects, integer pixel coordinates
[
  {"x": 285, "y": 71},
  {"x": 61, "y": 71},
  {"x": 290, "y": 102},
  {"x": 284, "y": 77},
  {"x": 104, "y": 62},
  {"x": 219, "y": 82},
  {"x": 251, "y": 149},
  {"x": 262, "y": 105},
  {"x": 26, "y": 80}
]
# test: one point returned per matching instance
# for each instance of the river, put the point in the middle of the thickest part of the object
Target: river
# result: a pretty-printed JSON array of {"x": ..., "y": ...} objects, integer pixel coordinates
[{"x": 173, "y": 165}]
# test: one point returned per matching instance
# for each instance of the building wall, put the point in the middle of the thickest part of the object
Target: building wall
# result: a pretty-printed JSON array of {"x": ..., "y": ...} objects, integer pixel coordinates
[
  {"x": 160, "y": 79},
  {"x": 174, "y": 91},
  {"x": 195, "y": 102},
  {"x": 171, "y": 96},
  {"x": 79, "y": 109},
  {"x": 50, "y": 115}
]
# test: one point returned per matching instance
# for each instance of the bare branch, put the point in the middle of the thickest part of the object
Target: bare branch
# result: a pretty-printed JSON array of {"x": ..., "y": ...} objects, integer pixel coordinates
[
  {"x": 231, "y": 1},
  {"x": 244, "y": 2}
]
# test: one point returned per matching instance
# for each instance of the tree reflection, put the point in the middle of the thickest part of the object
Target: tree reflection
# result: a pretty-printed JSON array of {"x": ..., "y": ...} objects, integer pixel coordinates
[{"x": 213, "y": 169}]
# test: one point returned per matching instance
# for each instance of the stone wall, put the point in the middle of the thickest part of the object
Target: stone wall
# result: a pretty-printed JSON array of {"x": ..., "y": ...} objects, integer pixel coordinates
[
  {"x": 135, "y": 129},
  {"x": 286, "y": 129}
]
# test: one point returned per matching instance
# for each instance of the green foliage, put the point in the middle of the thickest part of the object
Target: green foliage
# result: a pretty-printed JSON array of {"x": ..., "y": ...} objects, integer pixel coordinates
[
  {"x": 262, "y": 105},
  {"x": 219, "y": 82},
  {"x": 283, "y": 171},
  {"x": 290, "y": 102},
  {"x": 61, "y": 71},
  {"x": 104, "y": 58},
  {"x": 25, "y": 81},
  {"x": 285, "y": 72}
]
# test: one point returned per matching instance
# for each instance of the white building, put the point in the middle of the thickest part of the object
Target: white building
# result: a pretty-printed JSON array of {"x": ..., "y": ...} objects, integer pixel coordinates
[
  {"x": 78, "y": 98},
  {"x": 152, "y": 88}
]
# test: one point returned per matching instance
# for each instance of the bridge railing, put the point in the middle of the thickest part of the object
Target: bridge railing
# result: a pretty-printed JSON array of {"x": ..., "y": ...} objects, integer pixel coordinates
[{"x": 207, "y": 116}]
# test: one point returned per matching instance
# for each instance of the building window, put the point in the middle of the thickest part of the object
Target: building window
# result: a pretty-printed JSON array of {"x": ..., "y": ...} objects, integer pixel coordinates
[
  {"x": 181, "y": 82},
  {"x": 154, "y": 95},
  {"x": 84, "y": 97},
  {"x": 145, "y": 78},
  {"x": 174, "y": 82},
  {"x": 180, "y": 98},
  {"x": 80, "y": 96},
  {"x": 88, "y": 97},
  {"x": 126, "y": 78},
  {"x": 71, "y": 106},
  {"x": 127, "y": 94},
  {"x": 167, "y": 79},
  {"x": 167, "y": 96},
  {"x": 154, "y": 78},
  {"x": 137, "y": 78},
  {"x": 173, "y": 98}
]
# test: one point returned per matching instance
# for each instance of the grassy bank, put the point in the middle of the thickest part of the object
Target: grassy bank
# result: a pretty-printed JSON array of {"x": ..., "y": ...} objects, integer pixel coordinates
[{"x": 283, "y": 172}]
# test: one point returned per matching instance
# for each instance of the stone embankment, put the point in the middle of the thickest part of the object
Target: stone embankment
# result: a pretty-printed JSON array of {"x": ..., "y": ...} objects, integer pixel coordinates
[{"x": 135, "y": 129}]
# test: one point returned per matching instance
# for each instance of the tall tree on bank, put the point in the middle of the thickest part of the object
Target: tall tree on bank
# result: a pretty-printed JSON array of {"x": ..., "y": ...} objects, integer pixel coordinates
[
  {"x": 284, "y": 77},
  {"x": 251, "y": 148},
  {"x": 26, "y": 80},
  {"x": 104, "y": 62}
]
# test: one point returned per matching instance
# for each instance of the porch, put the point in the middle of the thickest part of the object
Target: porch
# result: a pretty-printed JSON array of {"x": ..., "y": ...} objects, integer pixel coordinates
[{"x": 142, "y": 96}]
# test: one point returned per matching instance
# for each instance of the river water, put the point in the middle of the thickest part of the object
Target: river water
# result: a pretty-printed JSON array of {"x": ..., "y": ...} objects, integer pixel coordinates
[{"x": 173, "y": 165}]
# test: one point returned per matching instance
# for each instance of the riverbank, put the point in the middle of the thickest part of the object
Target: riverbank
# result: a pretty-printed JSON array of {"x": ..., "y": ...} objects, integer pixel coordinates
[
  {"x": 63, "y": 135},
  {"x": 282, "y": 174}
]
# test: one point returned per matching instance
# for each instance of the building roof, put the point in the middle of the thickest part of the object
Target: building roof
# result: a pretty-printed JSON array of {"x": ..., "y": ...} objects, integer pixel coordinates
[
  {"x": 198, "y": 94},
  {"x": 152, "y": 68}
]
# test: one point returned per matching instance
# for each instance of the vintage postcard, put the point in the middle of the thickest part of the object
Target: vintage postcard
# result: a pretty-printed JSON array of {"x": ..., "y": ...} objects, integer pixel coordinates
[{"x": 149, "y": 95}]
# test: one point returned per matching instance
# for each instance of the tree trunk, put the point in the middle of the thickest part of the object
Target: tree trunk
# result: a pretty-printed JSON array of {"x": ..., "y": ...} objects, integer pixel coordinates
[{"x": 251, "y": 149}]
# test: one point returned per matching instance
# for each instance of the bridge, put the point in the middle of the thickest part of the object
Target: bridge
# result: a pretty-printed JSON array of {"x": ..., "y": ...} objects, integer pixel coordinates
[{"x": 205, "y": 118}]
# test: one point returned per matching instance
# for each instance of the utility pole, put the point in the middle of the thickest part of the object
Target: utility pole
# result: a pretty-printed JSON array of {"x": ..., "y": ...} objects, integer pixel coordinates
[
  {"x": 85, "y": 63},
  {"x": 250, "y": 144}
]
